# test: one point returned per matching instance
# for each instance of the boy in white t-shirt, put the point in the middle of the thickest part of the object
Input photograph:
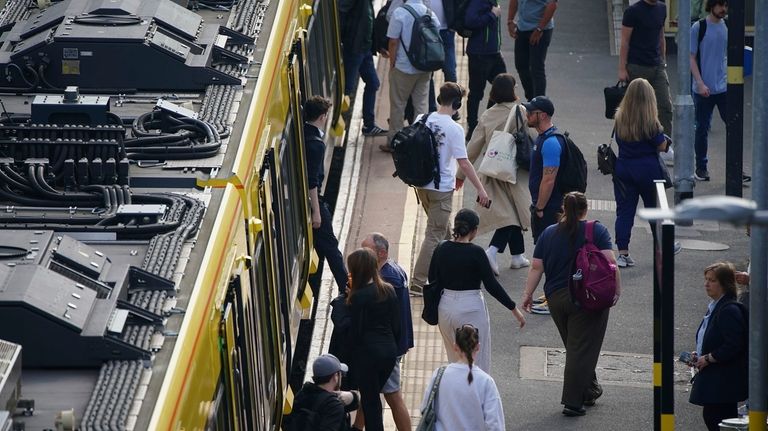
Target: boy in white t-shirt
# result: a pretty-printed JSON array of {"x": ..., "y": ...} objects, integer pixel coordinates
[{"x": 437, "y": 202}]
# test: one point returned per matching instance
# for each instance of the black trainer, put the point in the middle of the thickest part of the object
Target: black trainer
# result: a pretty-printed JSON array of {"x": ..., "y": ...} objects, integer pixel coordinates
[
  {"x": 574, "y": 411},
  {"x": 701, "y": 175}
]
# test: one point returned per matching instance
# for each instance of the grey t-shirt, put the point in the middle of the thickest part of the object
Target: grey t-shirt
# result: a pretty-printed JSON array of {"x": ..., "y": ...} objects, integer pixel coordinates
[
  {"x": 400, "y": 26},
  {"x": 713, "y": 57},
  {"x": 529, "y": 14}
]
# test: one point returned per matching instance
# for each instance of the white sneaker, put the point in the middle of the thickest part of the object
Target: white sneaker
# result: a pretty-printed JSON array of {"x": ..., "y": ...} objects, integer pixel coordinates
[
  {"x": 668, "y": 157},
  {"x": 624, "y": 260},
  {"x": 519, "y": 261},
  {"x": 678, "y": 247},
  {"x": 492, "y": 260}
]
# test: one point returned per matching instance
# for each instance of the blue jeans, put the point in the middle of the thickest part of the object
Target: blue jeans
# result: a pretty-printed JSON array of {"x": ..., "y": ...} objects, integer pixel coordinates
[
  {"x": 704, "y": 106},
  {"x": 361, "y": 66}
]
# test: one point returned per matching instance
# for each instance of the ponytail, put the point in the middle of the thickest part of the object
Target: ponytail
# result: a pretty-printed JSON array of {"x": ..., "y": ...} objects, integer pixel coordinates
[
  {"x": 574, "y": 208},
  {"x": 467, "y": 338}
]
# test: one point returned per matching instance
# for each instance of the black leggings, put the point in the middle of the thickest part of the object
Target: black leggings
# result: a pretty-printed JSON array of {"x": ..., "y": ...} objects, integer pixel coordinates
[
  {"x": 372, "y": 375},
  {"x": 512, "y": 235},
  {"x": 715, "y": 413}
]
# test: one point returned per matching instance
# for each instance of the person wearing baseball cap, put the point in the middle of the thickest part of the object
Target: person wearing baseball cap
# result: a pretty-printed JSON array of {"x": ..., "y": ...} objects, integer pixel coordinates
[{"x": 320, "y": 404}]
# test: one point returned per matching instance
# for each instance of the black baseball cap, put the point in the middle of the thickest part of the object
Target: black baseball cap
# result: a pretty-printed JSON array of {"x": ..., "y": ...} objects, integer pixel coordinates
[{"x": 540, "y": 103}]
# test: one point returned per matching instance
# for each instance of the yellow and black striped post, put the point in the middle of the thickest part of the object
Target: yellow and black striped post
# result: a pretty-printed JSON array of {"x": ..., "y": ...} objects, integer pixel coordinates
[{"x": 734, "y": 140}]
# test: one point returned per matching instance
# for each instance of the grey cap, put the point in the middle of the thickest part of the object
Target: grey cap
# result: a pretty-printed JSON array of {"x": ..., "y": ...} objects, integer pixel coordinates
[
  {"x": 326, "y": 365},
  {"x": 540, "y": 103}
]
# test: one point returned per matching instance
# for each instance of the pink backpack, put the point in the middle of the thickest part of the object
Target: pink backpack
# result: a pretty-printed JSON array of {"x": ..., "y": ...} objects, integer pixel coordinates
[{"x": 593, "y": 283}]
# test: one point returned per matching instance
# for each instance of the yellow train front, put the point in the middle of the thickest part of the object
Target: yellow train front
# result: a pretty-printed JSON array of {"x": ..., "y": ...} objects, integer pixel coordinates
[{"x": 217, "y": 238}]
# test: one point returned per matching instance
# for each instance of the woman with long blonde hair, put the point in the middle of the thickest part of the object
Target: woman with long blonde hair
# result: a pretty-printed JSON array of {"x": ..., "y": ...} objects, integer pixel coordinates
[{"x": 640, "y": 138}]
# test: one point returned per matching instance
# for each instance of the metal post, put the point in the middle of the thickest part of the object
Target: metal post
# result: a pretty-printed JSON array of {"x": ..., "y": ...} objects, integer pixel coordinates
[
  {"x": 683, "y": 129},
  {"x": 663, "y": 318},
  {"x": 758, "y": 297},
  {"x": 734, "y": 141}
]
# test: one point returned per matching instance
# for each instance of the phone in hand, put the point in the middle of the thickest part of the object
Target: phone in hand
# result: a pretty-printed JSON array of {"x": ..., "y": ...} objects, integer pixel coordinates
[
  {"x": 477, "y": 199},
  {"x": 686, "y": 358}
]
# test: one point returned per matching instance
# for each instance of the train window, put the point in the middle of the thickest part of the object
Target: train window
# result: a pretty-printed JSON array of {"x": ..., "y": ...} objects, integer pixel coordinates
[{"x": 265, "y": 319}]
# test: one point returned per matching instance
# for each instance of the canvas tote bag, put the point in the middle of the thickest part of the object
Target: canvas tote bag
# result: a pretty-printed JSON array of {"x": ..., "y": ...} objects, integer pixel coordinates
[{"x": 499, "y": 160}]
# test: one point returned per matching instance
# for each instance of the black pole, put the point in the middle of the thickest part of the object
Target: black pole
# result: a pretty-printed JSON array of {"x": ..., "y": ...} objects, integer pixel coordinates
[
  {"x": 656, "y": 333},
  {"x": 667, "y": 325},
  {"x": 734, "y": 141}
]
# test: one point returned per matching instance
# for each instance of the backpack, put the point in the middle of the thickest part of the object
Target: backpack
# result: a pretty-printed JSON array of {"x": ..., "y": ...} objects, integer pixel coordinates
[
  {"x": 572, "y": 175},
  {"x": 305, "y": 418},
  {"x": 593, "y": 280},
  {"x": 425, "y": 51},
  {"x": 380, "y": 25},
  {"x": 455, "y": 11},
  {"x": 414, "y": 151}
]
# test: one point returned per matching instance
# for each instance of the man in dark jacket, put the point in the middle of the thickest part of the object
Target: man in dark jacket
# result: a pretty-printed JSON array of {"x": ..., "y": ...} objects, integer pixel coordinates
[
  {"x": 356, "y": 17},
  {"x": 484, "y": 51},
  {"x": 320, "y": 405}
]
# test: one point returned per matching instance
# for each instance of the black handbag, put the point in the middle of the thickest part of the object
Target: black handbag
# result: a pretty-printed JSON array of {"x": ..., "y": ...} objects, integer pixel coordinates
[
  {"x": 432, "y": 292},
  {"x": 613, "y": 97},
  {"x": 341, "y": 315},
  {"x": 606, "y": 158},
  {"x": 523, "y": 142}
]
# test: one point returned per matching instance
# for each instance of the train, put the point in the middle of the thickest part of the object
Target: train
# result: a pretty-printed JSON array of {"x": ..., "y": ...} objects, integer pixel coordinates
[{"x": 155, "y": 238}]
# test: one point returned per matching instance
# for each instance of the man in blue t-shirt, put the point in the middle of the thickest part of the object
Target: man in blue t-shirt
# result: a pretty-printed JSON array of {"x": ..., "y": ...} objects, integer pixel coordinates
[
  {"x": 395, "y": 275},
  {"x": 709, "y": 69}
]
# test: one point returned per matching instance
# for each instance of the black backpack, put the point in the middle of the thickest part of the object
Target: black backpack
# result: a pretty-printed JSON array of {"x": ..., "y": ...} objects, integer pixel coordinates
[
  {"x": 572, "y": 174},
  {"x": 426, "y": 48},
  {"x": 305, "y": 418},
  {"x": 380, "y": 25},
  {"x": 455, "y": 11},
  {"x": 414, "y": 151}
]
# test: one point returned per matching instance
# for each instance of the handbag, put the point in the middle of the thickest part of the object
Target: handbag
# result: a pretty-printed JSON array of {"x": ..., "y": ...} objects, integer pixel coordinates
[
  {"x": 613, "y": 97},
  {"x": 499, "y": 160},
  {"x": 341, "y": 315},
  {"x": 429, "y": 414},
  {"x": 523, "y": 142},
  {"x": 606, "y": 158},
  {"x": 432, "y": 292}
]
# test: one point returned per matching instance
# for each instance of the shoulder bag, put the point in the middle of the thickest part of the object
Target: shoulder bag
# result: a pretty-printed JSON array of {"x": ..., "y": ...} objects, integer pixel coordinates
[
  {"x": 499, "y": 160},
  {"x": 613, "y": 97},
  {"x": 606, "y": 158},
  {"x": 429, "y": 414},
  {"x": 432, "y": 292},
  {"x": 523, "y": 142}
]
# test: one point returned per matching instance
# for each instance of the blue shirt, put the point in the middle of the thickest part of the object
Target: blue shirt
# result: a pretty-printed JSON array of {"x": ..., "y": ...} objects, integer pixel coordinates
[
  {"x": 395, "y": 275},
  {"x": 529, "y": 13},
  {"x": 713, "y": 55},
  {"x": 546, "y": 152},
  {"x": 555, "y": 250},
  {"x": 703, "y": 326}
]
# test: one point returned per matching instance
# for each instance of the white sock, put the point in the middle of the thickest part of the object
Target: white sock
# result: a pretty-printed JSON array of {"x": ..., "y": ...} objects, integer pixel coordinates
[{"x": 492, "y": 249}]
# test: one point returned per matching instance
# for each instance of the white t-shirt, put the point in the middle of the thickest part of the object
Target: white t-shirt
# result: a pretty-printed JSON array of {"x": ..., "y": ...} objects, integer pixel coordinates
[
  {"x": 464, "y": 406},
  {"x": 450, "y": 140}
]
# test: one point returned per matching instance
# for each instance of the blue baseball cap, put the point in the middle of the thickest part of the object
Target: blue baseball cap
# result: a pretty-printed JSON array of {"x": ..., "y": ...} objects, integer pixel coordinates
[{"x": 326, "y": 365}]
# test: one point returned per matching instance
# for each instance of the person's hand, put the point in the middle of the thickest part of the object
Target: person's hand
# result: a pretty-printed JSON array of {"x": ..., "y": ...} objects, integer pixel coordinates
[
  {"x": 519, "y": 316},
  {"x": 616, "y": 298},
  {"x": 535, "y": 37},
  {"x": 701, "y": 362},
  {"x": 316, "y": 221},
  {"x": 702, "y": 89},
  {"x": 346, "y": 397},
  {"x": 512, "y": 27},
  {"x": 483, "y": 200},
  {"x": 459, "y": 184},
  {"x": 623, "y": 75},
  {"x": 694, "y": 358},
  {"x": 384, "y": 53},
  {"x": 527, "y": 302},
  {"x": 742, "y": 277},
  {"x": 496, "y": 10}
]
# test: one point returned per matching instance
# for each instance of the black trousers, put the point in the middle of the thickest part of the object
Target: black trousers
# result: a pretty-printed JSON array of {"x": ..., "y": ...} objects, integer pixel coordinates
[
  {"x": 529, "y": 62},
  {"x": 327, "y": 247},
  {"x": 372, "y": 374},
  {"x": 512, "y": 235},
  {"x": 715, "y": 413},
  {"x": 550, "y": 217},
  {"x": 482, "y": 68}
]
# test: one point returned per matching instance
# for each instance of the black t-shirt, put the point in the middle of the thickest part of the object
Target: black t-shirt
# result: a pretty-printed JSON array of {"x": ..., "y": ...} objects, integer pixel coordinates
[
  {"x": 462, "y": 266},
  {"x": 315, "y": 156},
  {"x": 646, "y": 21},
  {"x": 555, "y": 250}
]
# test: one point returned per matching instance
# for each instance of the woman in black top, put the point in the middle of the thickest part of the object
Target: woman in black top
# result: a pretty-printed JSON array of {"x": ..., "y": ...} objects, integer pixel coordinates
[
  {"x": 459, "y": 266},
  {"x": 582, "y": 331},
  {"x": 374, "y": 332}
]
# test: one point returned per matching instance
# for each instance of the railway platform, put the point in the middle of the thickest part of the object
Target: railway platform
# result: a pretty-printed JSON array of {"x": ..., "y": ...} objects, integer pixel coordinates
[{"x": 528, "y": 362}]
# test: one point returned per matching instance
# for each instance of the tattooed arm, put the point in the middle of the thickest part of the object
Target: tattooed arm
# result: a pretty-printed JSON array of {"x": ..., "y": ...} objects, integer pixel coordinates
[{"x": 547, "y": 185}]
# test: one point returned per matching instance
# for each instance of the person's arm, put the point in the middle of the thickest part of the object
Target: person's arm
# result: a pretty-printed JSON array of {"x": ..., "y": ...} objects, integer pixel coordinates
[
  {"x": 314, "y": 202},
  {"x": 314, "y": 165},
  {"x": 612, "y": 258},
  {"x": 392, "y": 49},
  {"x": 469, "y": 171},
  {"x": 532, "y": 282},
  {"x": 394, "y": 33},
  {"x": 493, "y": 412},
  {"x": 551, "y": 153},
  {"x": 626, "y": 34},
  {"x": 394, "y": 317},
  {"x": 549, "y": 12},
  {"x": 701, "y": 88},
  {"x": 663, "y": 47},
  {"x": 490, "y": 281},
  {"x": 733, "y": 326},
  {"x": 511, "y": 14}
]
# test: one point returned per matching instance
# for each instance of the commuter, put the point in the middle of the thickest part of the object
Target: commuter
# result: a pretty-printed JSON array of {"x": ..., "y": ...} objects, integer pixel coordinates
[
  {"x": 467, "y": 396},
  {"x": 721, "y": 349},
  {"x": 438, "y": 202},
  {"x": 509, "y": 215},
  {"x": 374, "y": 332},
  {"x": 320, "y": 404},
  {"x": 582, "y": 331},
  {"x": 532, "y": 32},
  {"x": 459, "y": 266},
  {"x": 643, "y": 55},
  {"x": 484, "y": 52},
  {"x": 640, "y": 138},
  {"x": 709, "y": 70},
  {"x": 393, "y": 274},
  {"x": 325, "y": 242},
  {"x": 356, "y": 18},
  {"x": 405, "y": 80}
]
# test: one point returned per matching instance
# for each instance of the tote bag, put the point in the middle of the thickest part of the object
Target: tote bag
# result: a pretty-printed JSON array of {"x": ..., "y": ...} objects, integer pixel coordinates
[
  {"x": 499, "y": 160},
  {"x": 429, "y": 415}
]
